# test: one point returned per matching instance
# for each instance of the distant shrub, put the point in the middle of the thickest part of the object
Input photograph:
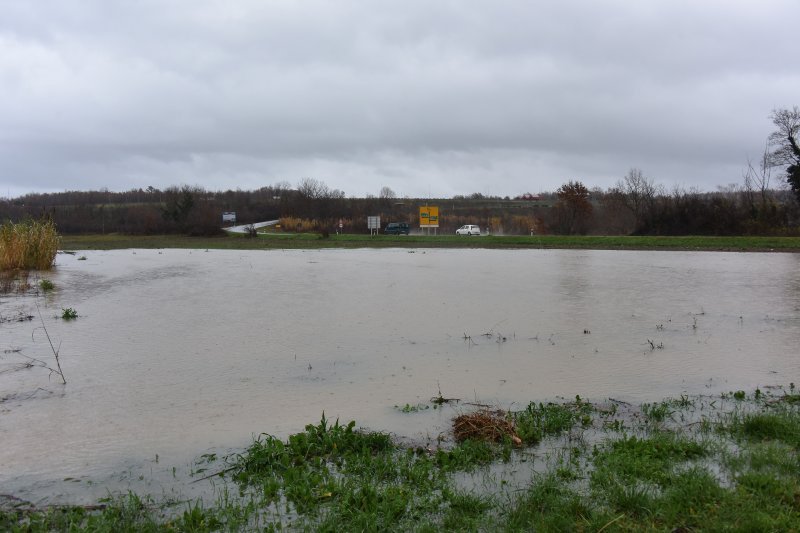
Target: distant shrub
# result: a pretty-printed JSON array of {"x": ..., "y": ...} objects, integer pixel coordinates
[
  {"x": 28, "y": 245},
  {"x": 299, "y": 225}
]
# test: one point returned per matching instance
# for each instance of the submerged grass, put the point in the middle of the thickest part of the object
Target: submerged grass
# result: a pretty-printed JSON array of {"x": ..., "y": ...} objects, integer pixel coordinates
[
  {"x": 780, "y": 425},
  {"x": 332, "y": 477},
  {"x": 538, "y": 421},
  {"x": 709, "y": 465}
]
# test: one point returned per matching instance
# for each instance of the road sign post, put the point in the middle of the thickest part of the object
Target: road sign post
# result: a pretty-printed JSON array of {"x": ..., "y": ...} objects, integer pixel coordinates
[{"x": 374, "y": 225}]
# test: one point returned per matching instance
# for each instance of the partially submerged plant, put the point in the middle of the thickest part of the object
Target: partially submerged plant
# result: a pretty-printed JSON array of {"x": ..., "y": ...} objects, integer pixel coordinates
[
  {"x": 777, "y": 425},
  {"x": 653, "y": 345},
  {"x": 28, "y": 245},
  {"x": 487, "y": 425},
  {"x": 14, "y": 281},
  {"x": 46, "y": 285},
  {"x": 439, "y": 400},
  {"x": 541, "y": 420},
  {"x": 55, "y": 351},
  {"x": 408, "y": 408},
  {"x": 69, "y": 313},
  {"x": 656, "y": 412}
]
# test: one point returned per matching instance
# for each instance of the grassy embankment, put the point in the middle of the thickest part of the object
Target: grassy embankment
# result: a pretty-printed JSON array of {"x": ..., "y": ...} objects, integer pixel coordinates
[
  {"x": 314, "y": 241},
  {"x": 685, "y": 464}
]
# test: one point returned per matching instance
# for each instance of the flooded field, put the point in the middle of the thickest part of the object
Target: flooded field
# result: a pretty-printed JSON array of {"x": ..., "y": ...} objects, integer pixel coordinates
[{"x": 178, "y": 353}]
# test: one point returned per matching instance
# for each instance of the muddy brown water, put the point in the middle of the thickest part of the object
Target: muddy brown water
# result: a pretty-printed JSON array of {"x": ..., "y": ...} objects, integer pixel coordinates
[{"x": 177, "y": 353}]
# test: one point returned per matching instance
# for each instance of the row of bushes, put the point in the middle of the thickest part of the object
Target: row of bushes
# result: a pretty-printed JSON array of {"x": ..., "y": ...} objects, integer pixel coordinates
[{"x": 617, "y": 211}]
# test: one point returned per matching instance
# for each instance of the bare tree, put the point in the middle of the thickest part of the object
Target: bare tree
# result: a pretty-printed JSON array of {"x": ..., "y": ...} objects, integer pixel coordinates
[
  {"x": 312, "y": 188},
  {"x": 757, "y": 180},
  {"x": 638, "y": 194},
  {"x": 387, "y": 193},
  {"x": 281, "y": 187},
  {"x": 786, "y": 145},
  {"x": 317, "y": 190}
]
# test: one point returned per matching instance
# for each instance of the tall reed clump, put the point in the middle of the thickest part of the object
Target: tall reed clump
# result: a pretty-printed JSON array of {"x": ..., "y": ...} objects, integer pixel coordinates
[{"x": 28, "y": 245}]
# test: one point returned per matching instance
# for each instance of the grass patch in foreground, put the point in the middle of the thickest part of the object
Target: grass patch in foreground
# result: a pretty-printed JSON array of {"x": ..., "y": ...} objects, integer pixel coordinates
[
  {"x": 783, "y": 426},
  {"x": 316, "y": 241},
  {"x": 716, "y": 464}
]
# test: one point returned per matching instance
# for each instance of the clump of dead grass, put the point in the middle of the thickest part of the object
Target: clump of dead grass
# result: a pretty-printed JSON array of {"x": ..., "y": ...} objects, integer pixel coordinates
[
  {"x": 486, "y": 425},
  {"x": 28, "y": 245}
]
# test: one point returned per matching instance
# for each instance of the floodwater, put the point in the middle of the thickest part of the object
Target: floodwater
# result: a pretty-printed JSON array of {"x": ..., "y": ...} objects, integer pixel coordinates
[{"x": 178, "y": 353}]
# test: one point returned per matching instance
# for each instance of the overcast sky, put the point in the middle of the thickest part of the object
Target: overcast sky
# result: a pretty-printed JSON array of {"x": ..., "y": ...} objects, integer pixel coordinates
[{"x": 430, "y": 98}]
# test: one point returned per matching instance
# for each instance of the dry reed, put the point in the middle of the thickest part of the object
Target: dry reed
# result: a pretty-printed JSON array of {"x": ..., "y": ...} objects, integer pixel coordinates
[
  {"x": 28, "y": 245},
  {"x": 300, "y": 225}
]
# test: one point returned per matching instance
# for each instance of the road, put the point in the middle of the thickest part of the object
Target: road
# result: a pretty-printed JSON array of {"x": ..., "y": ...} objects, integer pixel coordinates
[{"x": 243, "y": 227}]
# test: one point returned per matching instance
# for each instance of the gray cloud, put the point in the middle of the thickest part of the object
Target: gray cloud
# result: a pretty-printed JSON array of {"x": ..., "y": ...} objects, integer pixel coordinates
[{"x": 429, "y": 98}]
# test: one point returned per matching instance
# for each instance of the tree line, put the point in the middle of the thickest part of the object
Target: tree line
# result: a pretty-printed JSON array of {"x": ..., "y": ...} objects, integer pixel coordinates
[
  {"x": 637, "y": 205},
  {"x": 767, "y": 202}
]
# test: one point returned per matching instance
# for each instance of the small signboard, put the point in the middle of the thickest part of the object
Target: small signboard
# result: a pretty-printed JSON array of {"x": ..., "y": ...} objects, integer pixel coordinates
[
  {"x": 373, "y": 224},
  {"x": 229, "y": 216},
  {"x": 428, "y": 217}
]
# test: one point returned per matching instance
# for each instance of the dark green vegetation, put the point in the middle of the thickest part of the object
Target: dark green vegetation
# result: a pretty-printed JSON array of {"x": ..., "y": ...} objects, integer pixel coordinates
[
  {"x": 314, "y": 241},
  {"x": 686, "y": 464},
  {"x": 785, "y": 144}
]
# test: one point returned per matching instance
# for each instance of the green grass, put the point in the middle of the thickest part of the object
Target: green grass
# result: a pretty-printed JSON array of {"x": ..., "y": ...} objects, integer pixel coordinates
[
  {"x": 650, "y": 460},
  {"x": 744, "y": 476},
  {"x": 778, "y": 425},
  {"x": 656, "y": 413},
  {"x": 337, "y": 478},
  {"x": 314, "y": 241},
  {"x": 536, "y": 422}
]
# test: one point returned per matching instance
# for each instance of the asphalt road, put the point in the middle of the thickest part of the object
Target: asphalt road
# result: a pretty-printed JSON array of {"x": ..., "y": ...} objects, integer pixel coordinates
[{"x": 243, "y": 227}]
